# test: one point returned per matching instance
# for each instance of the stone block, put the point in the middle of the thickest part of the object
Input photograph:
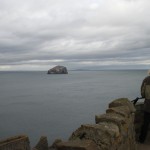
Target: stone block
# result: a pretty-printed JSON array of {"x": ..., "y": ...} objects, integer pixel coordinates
[
  {"x": 54, "y": 145},
  {"x": 122, "y": 102},
  {"x": 111, "y": 118},
  {"x": 42, "y": 144},
  {"x": 77, "y": 145},
  {"x": 124, "y": 111},
  {"x": 103, "y": 135},
  {"x": 20, "y": 142}
]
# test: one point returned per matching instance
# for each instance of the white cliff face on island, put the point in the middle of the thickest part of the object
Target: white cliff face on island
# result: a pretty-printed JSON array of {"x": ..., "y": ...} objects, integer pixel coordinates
[{"x": 58, "y": 70}]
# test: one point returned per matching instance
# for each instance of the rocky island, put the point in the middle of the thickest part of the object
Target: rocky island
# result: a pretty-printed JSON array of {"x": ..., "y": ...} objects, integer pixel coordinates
[{"x": 58, "y": 70}]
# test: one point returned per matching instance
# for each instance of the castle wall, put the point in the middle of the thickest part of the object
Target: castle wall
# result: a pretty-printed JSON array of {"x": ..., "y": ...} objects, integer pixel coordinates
[{"x": 113, "y": 130}]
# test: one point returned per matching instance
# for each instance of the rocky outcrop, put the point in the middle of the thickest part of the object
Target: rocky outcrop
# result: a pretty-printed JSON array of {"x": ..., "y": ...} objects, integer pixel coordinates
[{"x": 58, "y": 70}]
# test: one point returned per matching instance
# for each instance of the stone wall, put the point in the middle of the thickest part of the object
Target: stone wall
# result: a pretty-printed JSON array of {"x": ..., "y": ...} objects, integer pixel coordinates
[
  {"x": 113, "y": 130},
  {"x": 15, "y": 143}
]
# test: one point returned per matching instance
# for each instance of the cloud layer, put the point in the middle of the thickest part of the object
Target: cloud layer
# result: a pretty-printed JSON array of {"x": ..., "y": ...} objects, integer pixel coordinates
[{"x": 104, "y": 34}]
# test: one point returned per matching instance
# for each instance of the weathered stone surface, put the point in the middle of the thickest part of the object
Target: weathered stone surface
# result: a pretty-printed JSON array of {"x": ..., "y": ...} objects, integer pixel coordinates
[
  {"x": 15, "y": 143},
  {"x": 42, "y": 144},
  {"x": 112, "y": 118},
  {"x": 103, "y": 135},
  {"x": 55, "y": 143},
  {"x": 122, "y": 102},
  {"x": 124, "y": 121},
  {"x": 124, "y": 111},
  {"x": 58, "y": 70},
  {"x": 77, "y": 145}
]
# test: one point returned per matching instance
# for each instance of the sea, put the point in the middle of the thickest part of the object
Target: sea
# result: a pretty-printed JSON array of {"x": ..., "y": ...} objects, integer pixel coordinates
[{"x": 37, "y": 104}]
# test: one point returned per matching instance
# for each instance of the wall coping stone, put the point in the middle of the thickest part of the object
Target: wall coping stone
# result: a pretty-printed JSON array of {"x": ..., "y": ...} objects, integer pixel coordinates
[
  {"x": 124, "y": 111},
  {"x": 122, "y": 102},
  {"x": 77, "y": 145},
  {"x": 13, "y": 139}
]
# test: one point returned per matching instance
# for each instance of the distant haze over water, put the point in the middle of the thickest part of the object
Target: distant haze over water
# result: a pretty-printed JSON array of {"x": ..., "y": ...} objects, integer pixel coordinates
[{"x": 37, "y": 104}]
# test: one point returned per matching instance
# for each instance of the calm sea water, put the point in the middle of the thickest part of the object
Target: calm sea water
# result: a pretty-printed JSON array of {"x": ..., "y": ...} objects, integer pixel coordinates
[{"x": 36, "y": 104}]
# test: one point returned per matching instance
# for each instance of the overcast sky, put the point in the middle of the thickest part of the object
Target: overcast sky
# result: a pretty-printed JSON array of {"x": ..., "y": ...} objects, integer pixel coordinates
[{"x": 102, "y": 34}]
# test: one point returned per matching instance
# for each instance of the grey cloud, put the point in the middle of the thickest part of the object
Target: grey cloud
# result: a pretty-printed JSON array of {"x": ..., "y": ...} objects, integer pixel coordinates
[{"x": 35, "y": 32}]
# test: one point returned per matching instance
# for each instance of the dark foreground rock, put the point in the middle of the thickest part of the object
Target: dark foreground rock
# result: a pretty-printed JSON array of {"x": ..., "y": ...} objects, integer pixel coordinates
[{"x": 58, "y": 70}]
